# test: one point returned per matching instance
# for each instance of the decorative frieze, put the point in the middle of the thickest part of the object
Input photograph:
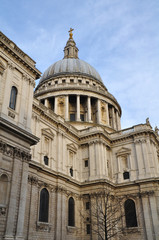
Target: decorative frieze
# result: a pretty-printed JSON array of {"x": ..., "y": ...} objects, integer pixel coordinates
[{"x": 10, "y": 151}]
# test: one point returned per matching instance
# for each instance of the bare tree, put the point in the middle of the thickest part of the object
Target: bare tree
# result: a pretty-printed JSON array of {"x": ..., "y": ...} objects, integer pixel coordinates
[{"x": 106, "y": 216}]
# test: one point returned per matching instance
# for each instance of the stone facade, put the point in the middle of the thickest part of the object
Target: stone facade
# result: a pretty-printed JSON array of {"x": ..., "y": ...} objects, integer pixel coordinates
[{"x": 66, "y": 142}]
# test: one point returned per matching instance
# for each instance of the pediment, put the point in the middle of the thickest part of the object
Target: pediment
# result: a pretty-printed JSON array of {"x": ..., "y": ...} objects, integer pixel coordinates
[
  {"x": 72, "y": 147},
  {"x": 48, "y": 132},
  {"x": 123, "y": 151}
]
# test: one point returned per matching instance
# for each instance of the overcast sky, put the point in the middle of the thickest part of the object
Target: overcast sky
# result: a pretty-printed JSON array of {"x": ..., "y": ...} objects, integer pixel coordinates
[{"x": 119, "y": 38}]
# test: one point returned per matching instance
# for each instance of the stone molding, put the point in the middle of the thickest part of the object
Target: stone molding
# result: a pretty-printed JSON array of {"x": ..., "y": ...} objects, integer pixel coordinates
[
  {"x": 43, "y": 226},
  {"x": 28, "y": 79},
  {"x": 18, "y": 54},
  {"x": 14, "y": 152},
  {"x": 11, "y": 114},
  {"x": 71, "y": 230}
]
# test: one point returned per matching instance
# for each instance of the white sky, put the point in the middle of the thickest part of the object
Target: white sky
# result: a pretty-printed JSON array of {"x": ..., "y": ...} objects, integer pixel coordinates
[{"x": 119, "y": 38}]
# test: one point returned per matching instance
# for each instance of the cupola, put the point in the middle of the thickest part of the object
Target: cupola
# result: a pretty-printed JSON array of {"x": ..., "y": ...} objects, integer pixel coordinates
[{"x": 70, "y": 50}]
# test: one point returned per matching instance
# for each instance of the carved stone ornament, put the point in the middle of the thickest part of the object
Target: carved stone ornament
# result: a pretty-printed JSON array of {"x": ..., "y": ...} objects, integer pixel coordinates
[
  {"x": 42, "y": 226},
  {"x": 71, "y": 229},
  {"x": 2, "y": 211},
  {"x": 12, "y": 151},
  {"x": 32, "y": 179},
  {"x": 11, "y": 114}
]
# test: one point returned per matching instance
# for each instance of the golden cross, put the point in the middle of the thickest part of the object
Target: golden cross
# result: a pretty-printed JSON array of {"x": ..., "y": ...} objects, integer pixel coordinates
[{"x": 70, "y": 32}]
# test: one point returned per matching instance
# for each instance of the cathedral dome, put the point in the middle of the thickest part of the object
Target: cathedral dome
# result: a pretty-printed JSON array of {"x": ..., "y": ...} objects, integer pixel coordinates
[{"x": 70, "y": 66}]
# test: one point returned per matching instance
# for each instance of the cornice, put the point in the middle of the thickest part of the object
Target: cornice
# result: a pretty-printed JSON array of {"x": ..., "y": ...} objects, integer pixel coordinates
[
  {"x": 84, "y": 185},
  {"x": 134, "y": 135},
  {"x": 17, "y": 53},
  {"x": 17, "y": 131}
]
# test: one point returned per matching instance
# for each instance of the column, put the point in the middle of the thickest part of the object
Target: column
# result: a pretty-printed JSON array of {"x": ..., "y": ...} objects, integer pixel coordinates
[
  {"x": 155, "y": 218},
  {"x": 89, "y": 109},
  {"x": 63, "y": 216},
  {"x": 113, "y": 118},
  {"x": 66, "y": 109},
  {"x": 139, "y": 158},
  {"x": 107, "y": 114},
  {"x": 147, "y": 217},
  {"x": 29, "y": 107},
  {"x": 58, "y": 215},
  {"x": 55, "y": 105},
  {"x": 146, "y": 158},
  {"x": 12, "y": 207},
  {"x": 78, "y": 108},
  {"x": 119, "y": 173},
  {"x": 22, "y": 202},
  {"x": 118, "y": 119},
  {"x": 92, "y": 166},
  {"x": 46, "y": 103},
  {"x": 98, "y": 111}
]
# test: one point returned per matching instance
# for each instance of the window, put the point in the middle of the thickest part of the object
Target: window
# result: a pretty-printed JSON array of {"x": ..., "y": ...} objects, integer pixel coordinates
[
  {"x": 130, "y": 213},
  {"x": 79, "y": 80},
  {"x": 126, "y": 175},
  {"x": 71, "y": 80},
  {"x": 42, "y": 101},
  {"x": 71, "y": 172},
  {"x": 13, "y": 98},
  {"x": 71, "y": 212},
  {"x": 3, "y": 189},
  {"x": 88, "y": 228},
  {"x": 87, "y": 205},
  {"x": 82, "y": 117},
  {"x": 86, "y": 163},
  {"x": 72, "y": 117},
  {"x": 56, "y": 82},
  {"x": 87, "y": 82},
  {"x": 63, "y": 81},
  {"x": 44, "y": 205},
  {"x": 46, "y": 160}
]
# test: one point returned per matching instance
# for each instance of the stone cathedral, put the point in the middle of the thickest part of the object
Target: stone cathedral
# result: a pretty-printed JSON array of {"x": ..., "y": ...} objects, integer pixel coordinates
[{"x": 61, "y": 146}]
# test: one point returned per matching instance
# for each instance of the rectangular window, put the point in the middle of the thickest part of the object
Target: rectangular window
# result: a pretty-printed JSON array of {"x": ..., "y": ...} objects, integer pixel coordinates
[
  {"x": 126, "y": 175},
  {"x": 72, "y": 117},
  {"x": 56, "y": 82},
  {"x": 46, "y": 160},
  {"x": 87, "y": 205},
  {"x": 79, "y": 80},
  {"x": 71, "y": 80},
  {"x": 88, "y": 228},
  {"x": 82, "y": 117},
  {"x": 86, "y": 163},
  {"x": 63, "y": 81},
  {"x": 87, "y": 82}
]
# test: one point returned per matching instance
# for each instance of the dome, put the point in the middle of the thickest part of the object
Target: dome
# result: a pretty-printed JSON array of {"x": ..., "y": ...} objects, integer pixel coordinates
[{"x": 70, "y": 66}]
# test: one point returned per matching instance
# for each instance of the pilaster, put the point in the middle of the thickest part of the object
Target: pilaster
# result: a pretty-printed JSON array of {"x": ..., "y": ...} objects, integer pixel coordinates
[{"x": 78, "y": 108}]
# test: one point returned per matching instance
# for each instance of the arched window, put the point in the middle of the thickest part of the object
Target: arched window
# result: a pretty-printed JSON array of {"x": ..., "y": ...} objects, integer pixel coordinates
[
  {"x": 13, "y": 97},
  {"x": 44, "y": 205},
  {"x": 3, "y": 189},
  {"x": 71, "y": 212},
  {"x": 130, "y": 213}
]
